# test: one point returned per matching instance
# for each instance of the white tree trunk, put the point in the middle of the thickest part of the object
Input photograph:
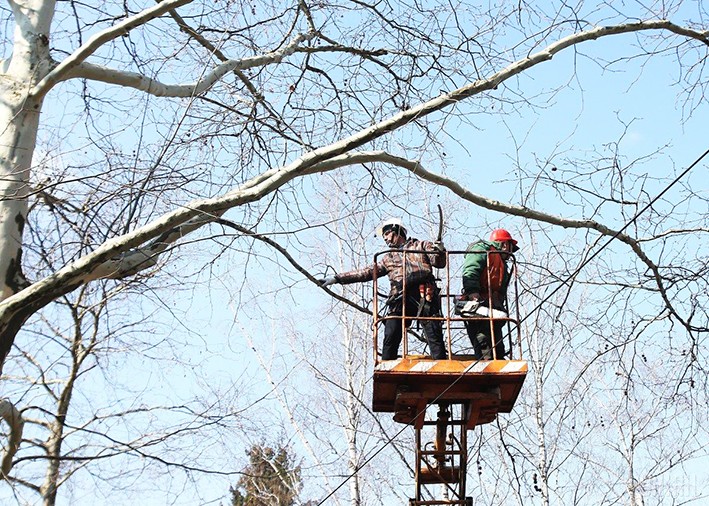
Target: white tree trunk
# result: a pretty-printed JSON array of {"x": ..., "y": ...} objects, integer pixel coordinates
[
  {"x": 25, "y": 79},
  {"x": 353, "y": 415},
  {"x": 19, "y": 117}
]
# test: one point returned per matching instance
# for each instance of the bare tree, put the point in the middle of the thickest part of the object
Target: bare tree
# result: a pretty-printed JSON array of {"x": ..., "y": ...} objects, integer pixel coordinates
[
  {"x": 85, "y": 415},
  {"x": 32, "y": 68},
  {"x": 148, "y": 128}
]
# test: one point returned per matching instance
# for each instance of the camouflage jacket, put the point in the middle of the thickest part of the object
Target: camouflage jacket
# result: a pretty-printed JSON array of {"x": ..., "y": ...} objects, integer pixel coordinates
[{"x": 416, "y": 266}]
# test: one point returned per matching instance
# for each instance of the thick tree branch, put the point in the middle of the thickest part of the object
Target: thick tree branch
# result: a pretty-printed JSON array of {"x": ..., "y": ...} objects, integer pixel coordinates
[
  {"x": 159, "y": 89},
  {"x": 81, "y": 54},
  {"x": 11, "y": 415},
  {"x": 535, "y": 215}
]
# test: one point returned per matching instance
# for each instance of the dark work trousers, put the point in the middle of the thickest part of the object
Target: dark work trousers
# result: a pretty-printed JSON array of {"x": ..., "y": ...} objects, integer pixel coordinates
[
  {"x": 432, "y": 330},
  {"x": 479, "y": 334}
]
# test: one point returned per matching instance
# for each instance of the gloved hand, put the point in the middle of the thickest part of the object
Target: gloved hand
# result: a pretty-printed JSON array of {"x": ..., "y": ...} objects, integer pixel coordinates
[
  {"x": 328, "y": 281},
  {"x": 471, "y": 296},
  {"x": 439, "y": 246}
]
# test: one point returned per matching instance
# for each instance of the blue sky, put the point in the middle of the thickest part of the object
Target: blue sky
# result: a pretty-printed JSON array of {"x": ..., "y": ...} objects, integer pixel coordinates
[{"x": 578, "y": 121}]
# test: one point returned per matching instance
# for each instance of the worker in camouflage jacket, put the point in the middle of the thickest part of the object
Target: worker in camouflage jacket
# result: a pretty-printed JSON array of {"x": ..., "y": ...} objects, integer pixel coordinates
[
  {"x": 486, "y": 277},
  {"x": 422, "y": 293}
]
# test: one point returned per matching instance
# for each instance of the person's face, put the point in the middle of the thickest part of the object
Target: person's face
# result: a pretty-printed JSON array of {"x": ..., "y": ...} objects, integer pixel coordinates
[
  {"x": 392, "y": 238},
  {"x": 507, "y": 247}
]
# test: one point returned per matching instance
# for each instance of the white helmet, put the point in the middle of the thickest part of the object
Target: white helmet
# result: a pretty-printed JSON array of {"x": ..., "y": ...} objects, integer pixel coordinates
[{"x": 391, "y": 223}]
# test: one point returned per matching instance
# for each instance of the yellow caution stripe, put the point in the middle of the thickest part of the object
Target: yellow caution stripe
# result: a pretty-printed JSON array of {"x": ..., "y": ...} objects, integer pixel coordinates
[{"x": 425, "y": 365}]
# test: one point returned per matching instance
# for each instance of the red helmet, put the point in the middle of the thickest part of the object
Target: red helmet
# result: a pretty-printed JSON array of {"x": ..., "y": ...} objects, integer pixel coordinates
[{"x": 502, "y": 235}]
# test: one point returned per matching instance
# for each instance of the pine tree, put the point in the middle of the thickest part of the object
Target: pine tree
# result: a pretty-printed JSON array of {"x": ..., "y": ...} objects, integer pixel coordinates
[{"x": 270, "y": 479}]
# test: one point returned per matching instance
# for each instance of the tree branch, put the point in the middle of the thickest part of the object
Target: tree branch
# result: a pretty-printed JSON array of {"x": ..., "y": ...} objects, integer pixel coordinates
[
  {"x": 292, "y": 261},
  {"x": 171, "y": 226},
  {"x": 13, "y": 418},
  {"x": 159, "y": 89},
  {"x": 215, "y": 51},
  {"x": 60, "y": 72}
]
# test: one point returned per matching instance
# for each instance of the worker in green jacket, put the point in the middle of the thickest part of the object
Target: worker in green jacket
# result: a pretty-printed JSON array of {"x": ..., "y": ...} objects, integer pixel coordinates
[{"x": 485, "y": 280}]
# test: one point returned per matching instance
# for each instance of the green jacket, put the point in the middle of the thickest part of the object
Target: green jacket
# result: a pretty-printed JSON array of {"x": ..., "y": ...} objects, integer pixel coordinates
[{"x": 475, "y": 271}]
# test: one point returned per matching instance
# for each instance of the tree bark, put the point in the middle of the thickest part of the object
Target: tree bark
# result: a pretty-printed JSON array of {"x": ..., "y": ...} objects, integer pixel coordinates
[
  {"x": 19, "y": 117},
  {"x": 13, "y": 418}
]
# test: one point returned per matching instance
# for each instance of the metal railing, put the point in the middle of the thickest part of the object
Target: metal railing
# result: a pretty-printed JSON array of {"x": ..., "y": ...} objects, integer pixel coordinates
[{"x": 449, "y": 282}]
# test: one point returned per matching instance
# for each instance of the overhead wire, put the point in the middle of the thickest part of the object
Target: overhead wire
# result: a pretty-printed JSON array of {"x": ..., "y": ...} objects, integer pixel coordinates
[{"x": 535, "y": 309}]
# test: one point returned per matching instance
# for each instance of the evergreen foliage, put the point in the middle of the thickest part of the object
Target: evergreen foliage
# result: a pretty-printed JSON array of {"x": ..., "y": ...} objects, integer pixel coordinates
[{"x": 270, "y": 479}]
